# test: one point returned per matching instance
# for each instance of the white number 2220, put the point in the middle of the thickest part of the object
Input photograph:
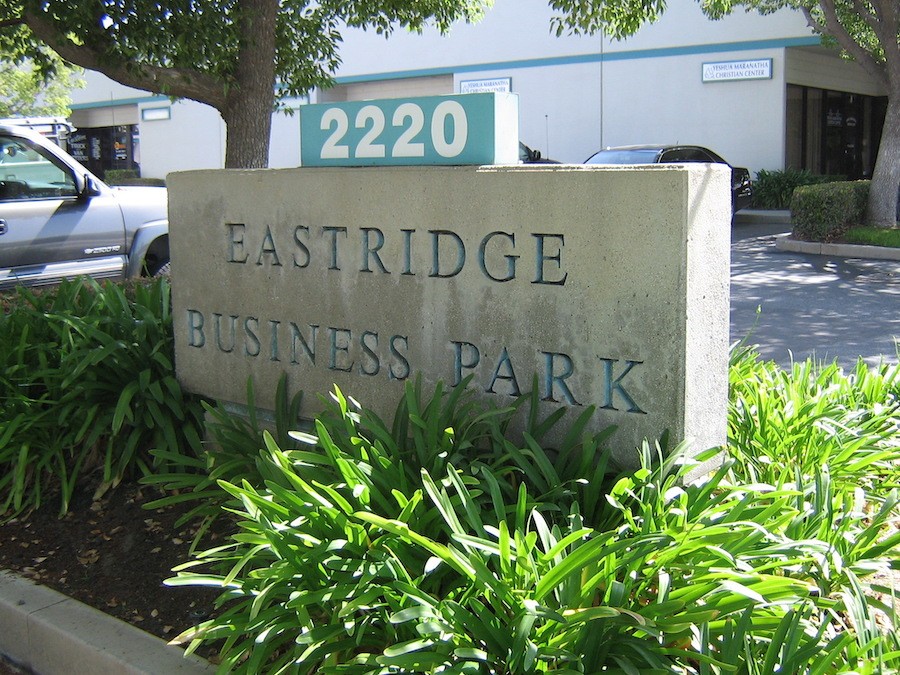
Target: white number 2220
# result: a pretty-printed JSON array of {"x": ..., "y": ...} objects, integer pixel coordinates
[{"x": 409, "y": 117}]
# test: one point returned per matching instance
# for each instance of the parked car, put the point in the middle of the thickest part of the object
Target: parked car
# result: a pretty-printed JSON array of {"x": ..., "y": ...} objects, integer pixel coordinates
[
  {"x": 58, "y": 220},
  {"x": 529, "y": 156},
  {"x": 741, "y": 187}
]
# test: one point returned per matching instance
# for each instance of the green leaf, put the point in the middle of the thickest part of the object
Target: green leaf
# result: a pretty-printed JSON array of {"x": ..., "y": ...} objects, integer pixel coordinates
[{"x": 123, "y": 406}]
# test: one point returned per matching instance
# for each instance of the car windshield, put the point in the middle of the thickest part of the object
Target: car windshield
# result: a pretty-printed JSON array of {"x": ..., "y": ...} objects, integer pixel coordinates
[
  {"x": 16, "y": 152},
  {"x": 524, "y": 152},
  {"x": 630, "y": 156}
]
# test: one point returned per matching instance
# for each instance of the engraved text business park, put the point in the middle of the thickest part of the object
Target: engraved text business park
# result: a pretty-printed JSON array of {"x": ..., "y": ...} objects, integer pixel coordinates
[{"x": 369, "y": 354}]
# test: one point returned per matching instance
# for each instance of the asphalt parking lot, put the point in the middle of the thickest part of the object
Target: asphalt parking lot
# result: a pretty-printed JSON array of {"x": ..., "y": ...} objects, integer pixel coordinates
[{"x": 795, "y": 306}]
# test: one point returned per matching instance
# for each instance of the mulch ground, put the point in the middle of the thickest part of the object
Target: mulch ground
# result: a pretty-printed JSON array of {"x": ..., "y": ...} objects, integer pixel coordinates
[{"x": 113, "y": 555}]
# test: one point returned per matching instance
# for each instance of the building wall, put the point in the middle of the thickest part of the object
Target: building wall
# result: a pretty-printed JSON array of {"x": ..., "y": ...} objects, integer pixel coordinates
[
  {"x": 741, "y": 120},
  {"x": 517, "y": 33},
  {"x": 190, "y": 136},
  {"x": 576, "y": 93},
  {"x": 580, "y": 93},
  {"x": 816, "y": 67},
  {"x": 434, "y": 85},
  {"x": 107, "y": 116},
  {"x": 100, "y": 91},
  {"x": 558, "y": 105},
  {"x": 193, "y": 137}
]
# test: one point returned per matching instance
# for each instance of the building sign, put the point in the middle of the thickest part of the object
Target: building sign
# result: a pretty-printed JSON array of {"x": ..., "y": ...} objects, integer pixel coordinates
[
  {"x": 753, "y": 69},
  {"x": 431, "y": 130},
  {"x": 156, "y": 114},
  {"x": 564, "y": 278},
  {"x": 497, "y": 85}
]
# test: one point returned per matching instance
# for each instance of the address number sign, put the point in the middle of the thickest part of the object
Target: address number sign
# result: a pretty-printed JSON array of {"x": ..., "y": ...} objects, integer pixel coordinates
[{"x": 450, "y": 130}]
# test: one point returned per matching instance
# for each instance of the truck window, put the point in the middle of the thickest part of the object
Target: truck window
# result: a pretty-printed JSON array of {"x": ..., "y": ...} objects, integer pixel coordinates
[{"x": 27, "y": 173}]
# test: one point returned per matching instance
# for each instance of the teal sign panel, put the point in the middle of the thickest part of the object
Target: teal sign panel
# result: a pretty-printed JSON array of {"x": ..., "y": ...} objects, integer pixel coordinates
[{"x": 430, "y": 130}]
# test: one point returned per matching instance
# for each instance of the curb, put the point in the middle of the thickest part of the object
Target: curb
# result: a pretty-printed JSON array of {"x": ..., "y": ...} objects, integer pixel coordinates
[
  {"x": 51, "y": 634},
  {"x": 784, "y": 242},
  {"x": 762, "y": 217}
]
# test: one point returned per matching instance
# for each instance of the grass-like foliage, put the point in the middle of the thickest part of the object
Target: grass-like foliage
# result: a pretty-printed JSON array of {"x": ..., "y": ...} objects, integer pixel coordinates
[
  {"x": 455, "y": 538},
  {"x": 874, "y": 236},
  {"x": 424, "y": 434},
  {"x": 87, "y": 383},
  {"x": 812, "y": 419},
  {"x": 443, "y": 543}
]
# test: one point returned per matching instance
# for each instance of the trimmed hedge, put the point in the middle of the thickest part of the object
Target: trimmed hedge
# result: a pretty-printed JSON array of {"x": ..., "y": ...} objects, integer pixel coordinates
[
  {"x": 152, "y": 182},
  {"x": 130, "y": 177},
  {"x": 825, "y": 212}
]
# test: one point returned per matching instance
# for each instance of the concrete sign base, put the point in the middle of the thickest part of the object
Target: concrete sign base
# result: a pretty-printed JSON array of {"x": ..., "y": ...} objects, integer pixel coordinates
[{"x": 606, "y": 287}]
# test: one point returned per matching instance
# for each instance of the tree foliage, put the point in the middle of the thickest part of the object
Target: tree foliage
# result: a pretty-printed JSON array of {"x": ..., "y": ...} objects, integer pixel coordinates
[
  {"x": 866, "y": 31},
  {"x": 229, "y": 54},
  {"x": 24, "y": 92}
]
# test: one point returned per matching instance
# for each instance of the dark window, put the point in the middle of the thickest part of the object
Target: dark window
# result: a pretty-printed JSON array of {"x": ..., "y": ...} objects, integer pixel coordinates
[
  {"x": 686, "y": 155},
  {"x": 106, "y": 148},
  {"x": 832, "y": 132}
]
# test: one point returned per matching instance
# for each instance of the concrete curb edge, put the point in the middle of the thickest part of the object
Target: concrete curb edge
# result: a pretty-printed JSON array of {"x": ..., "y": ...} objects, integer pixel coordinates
[
  {"x": 52, "y": 634},
  {"x": 785, "y": 242}
]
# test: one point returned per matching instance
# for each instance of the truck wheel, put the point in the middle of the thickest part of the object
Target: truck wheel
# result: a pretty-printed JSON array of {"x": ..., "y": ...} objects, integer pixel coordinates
[{"x": 164, "y": 270}]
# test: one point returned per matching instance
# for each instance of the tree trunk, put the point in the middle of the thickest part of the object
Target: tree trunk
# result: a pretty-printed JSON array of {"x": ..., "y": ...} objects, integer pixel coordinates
[
  {"x": 250, "y": 102},
  {"x": 882, "y": 207}
]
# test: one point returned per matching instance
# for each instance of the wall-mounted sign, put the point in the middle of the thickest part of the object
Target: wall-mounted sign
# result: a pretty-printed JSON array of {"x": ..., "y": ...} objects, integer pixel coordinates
[
  {"x": 156, "y": 114},
  {"x": 497, "y": 85},
  {"x": 751, "y": 69},
  {"x": 446, "y": 130}
]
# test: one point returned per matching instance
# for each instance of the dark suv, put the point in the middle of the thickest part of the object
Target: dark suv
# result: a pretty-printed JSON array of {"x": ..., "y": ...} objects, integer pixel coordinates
[
  {"x": 741, "y": 187},
  {"x": 58, "y": 220}
]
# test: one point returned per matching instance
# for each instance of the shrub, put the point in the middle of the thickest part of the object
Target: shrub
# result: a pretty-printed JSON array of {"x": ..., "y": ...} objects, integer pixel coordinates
[
  {"x": 773, "y": 189},
  {"x": 809, "y": 419},
  {"x": 425, "y": 434},
  {"x": 87, "y": 383},
  {"x": 230, "y": 451},
  {"x": 113, "y": 175},
  {"x": 130, "y": 177},
  {"x": 826, "y": 212},
  {"x": 431, "y": 546}
]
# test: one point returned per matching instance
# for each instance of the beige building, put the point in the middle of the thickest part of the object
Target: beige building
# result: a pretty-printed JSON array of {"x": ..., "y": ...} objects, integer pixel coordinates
[{"x": 759, "y": 90}]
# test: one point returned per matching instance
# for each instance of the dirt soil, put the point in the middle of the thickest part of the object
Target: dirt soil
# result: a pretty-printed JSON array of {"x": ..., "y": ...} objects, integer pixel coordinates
[{"x": 114, "y": 555}]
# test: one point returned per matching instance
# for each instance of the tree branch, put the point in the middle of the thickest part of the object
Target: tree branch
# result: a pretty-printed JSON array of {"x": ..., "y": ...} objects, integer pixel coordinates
[
  {"x": 881, "y": 19},
  {"x": 175, "y": 82},
  {"x": 6, "y": 23},
  {"x": 889, "y": 14},
  {"x": 835, "y": 28}
]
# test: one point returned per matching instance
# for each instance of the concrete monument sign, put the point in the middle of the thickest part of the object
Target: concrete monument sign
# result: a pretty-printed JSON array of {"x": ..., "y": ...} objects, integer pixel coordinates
[{"x": 610, "y": 286}]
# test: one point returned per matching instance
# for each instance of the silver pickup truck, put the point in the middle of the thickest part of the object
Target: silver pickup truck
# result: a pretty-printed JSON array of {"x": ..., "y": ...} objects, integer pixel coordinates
[{"x": 57, "y": 220}]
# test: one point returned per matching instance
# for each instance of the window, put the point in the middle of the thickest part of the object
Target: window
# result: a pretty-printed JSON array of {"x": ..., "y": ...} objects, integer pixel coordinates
[
  {"x": 685, "y": 155},
  {"x": 27, "y": 173},
  {"x": 832, "y": 132}
]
